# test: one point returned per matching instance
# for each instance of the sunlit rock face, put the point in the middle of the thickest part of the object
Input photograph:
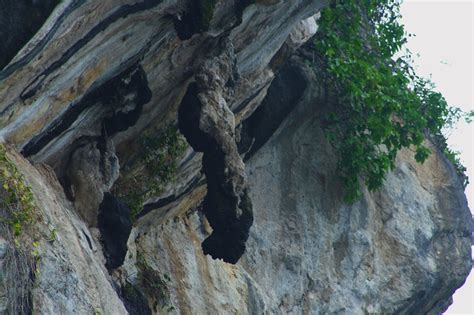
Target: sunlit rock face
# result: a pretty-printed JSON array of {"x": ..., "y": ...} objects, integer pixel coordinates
[
  {"x": 99, "y": 78},
  {"x": 401, "y": 250}
]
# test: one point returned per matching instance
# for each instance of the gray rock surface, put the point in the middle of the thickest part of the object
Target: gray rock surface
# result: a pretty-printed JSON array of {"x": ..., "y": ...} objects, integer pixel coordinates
[
  {"x": 99, "y": 75},
  {"x": 92, "y": 170},
  {"x": 401, "y": 250},
  {"x": 71, "y": 277}
]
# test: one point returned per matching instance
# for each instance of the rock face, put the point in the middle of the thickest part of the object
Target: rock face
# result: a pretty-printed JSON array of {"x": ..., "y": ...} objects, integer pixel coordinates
[
  {"x": 72, "y": 277},
  {"x": 99, "y": 76},
  {"x": 209, "y": 126},
  {"x": 401, "y": 250}
]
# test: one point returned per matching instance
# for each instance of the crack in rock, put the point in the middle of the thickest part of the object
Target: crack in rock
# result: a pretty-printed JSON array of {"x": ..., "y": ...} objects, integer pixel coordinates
[
  {"x": 124, "y": 95},
  {"x": 209, "y": 126}
]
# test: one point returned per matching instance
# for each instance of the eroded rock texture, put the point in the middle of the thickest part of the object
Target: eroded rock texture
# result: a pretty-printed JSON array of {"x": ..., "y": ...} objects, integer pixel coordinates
[
  {"x": 72, "y": 277},
  {"x": 100, "y": 76},
  {"x": 402, "y": 250},
  {"x": 209, "y": 126}
]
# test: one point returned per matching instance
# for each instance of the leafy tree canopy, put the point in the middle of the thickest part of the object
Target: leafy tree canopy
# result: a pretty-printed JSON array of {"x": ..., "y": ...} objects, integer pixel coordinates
[{"x": 383, "y": 105}]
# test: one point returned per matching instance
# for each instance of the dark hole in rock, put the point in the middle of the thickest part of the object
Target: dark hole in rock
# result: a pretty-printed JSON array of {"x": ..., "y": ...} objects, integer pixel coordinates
[
  {"x": 114, "y": 93},
  {"x": 240, "y": 6},
  {"x": 19, "y": 21},
  {"x": 282, "y": 96},
  {"x": 194, "y": 19},
  {"x": 188, "y": 121},
  {"x": 133, "y": 92},
  {"x": 228, "y": 240},
  {"x": 115, "y": 225}
]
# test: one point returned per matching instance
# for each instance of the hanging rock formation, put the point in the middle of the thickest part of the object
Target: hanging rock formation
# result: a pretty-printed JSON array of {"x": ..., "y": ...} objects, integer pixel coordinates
[{"x": 209, "y": 126}]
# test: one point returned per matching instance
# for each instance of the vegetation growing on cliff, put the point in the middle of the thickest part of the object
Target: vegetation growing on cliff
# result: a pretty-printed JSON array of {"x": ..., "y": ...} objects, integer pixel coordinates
[
  {"x": 158, "y": 165},
  {"x": 16, "y": 195},
  {"x": 383, "y": 105},
  {"x": 17, "y": 212}
]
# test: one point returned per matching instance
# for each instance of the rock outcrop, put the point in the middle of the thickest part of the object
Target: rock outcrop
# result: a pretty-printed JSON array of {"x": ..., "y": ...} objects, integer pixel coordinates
[
  {"x": 98, "y": 77},
  {"x": 71, "y": 277},
  {"x": 209, "y": 126}
]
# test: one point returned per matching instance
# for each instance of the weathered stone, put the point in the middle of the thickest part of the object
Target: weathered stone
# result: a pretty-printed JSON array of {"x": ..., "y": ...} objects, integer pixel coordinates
[
  {"x": 91, "y": 171},
  {"x": 209, "y": 125},
  {"x": 99, "y": 74},
  {"x": 72, "y": 277},
  {"x": 402, "y": 250}
]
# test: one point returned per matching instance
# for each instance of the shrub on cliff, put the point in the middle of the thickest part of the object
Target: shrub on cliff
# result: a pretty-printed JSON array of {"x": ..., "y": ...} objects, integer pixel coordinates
[{"x": 382, "y": 105}]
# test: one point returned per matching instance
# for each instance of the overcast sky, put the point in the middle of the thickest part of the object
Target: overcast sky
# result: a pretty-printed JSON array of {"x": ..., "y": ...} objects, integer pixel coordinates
[{"x": 445, "y": 41}]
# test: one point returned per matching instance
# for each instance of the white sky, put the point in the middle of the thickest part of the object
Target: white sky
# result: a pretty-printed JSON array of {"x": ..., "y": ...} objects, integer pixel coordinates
[{"x": 445, "y": 41}]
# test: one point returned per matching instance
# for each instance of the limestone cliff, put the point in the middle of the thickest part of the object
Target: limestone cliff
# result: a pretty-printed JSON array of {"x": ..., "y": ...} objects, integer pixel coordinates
[{"x": 177, "y": 164}]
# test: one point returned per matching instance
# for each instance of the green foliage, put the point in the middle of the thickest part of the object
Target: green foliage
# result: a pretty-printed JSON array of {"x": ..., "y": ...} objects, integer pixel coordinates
[
  {"x": 382, "y": 105},
  {"x": 17, "y": 213},
  {"x": 206, "y": 8},
  {"x": 157, "y": 167},
  {"x": 469, "y": 117},
  {"x": 155, "y": 284},
  {"x": 453, "y": 157},
  {"x": 16, "y": 196}
]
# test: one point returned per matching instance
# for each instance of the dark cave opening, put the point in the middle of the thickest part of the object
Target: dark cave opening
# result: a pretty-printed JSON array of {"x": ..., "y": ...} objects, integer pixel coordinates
[{"x": 115, "y": 225}]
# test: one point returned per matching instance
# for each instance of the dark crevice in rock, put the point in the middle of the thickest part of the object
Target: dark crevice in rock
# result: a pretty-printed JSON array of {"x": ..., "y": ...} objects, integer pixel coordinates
[
  {"x": 121, "y": 121},
  {"x": 128, "y": 96},
  {"x": 88, "y": 240},
  {"x": 195, "y": 18},
  {"x": 169, "y": 199},
  {"x": 242, "y": 105},
  {"x": 19, "y": 21},
  {"x": 229, "y": 234},
  {"x": 240, "y": 7},
  {"x": 283, "y": 94},
  {"x": 42, "y": 43},
  {"x": 115, "y": 225},
  {"x": 226, "y": 205},
  {"x": 118, "y": 14},
  {"x": 127, "y": 91},
  {"x": 188, "y": 121}
]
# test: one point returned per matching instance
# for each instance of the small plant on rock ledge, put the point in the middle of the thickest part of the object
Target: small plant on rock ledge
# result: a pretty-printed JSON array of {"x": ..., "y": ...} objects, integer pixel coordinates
[
  {"x": 20, "y": 266},
  {"x": 157, "y": 167},
  {"x": 16, "y": 195}
]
